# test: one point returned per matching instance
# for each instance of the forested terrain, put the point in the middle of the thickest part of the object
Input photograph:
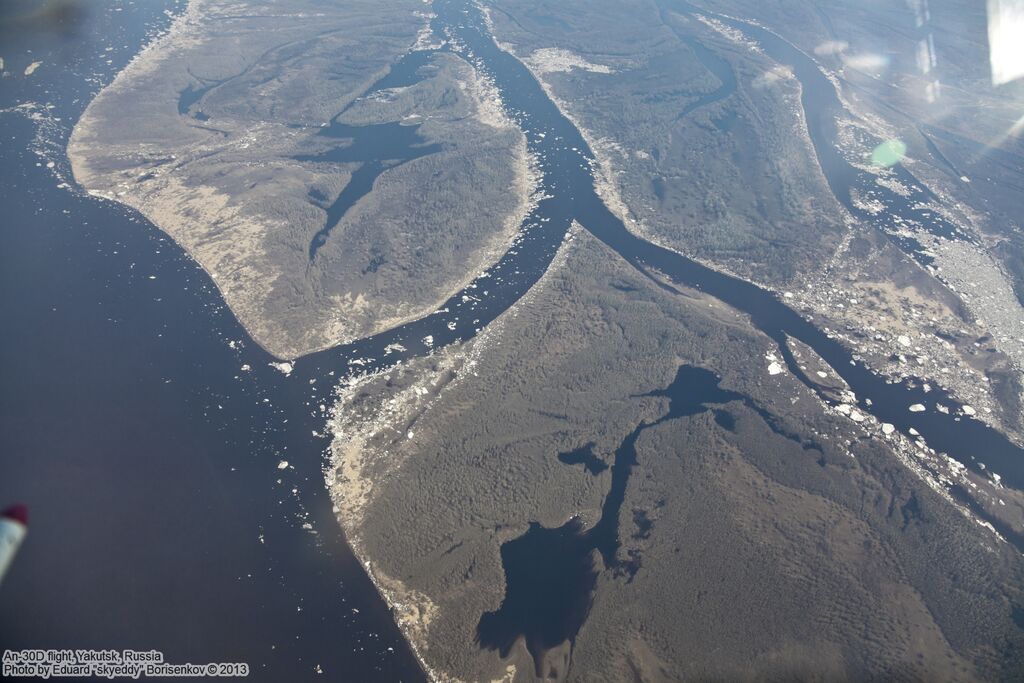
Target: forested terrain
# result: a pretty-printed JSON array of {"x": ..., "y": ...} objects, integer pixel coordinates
[{"x": 762, "y": 537}]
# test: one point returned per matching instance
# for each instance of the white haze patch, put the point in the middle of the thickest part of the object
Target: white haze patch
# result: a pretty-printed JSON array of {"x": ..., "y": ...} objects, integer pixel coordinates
[
  {"x": 831, "y": 47},
  {"x": 863, "y": 61},
  {"x": 1006, "y": 46},
  {"x": 772, "y": 76},
  {"x": 866, "y": 61}
]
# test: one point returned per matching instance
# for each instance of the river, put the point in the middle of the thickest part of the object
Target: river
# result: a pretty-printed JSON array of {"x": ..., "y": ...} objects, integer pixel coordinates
[
  {"x": 567, "y": 161},
  {"x": 146, "y": 430}
]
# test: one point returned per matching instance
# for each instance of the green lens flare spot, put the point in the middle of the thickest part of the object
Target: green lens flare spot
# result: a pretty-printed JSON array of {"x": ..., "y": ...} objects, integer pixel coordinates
[{"x": 889, "y": 153}]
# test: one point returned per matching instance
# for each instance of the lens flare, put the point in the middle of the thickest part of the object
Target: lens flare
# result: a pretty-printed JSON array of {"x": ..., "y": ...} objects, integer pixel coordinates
[
  {"x": 1006, "y": 49},
  {"x": 889, "y": 153}
]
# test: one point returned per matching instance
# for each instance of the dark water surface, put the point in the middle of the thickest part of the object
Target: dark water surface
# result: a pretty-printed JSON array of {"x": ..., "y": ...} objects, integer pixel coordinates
[
  {"x": 379, "y": 147},
  {"x": 144, "y": 429},
  {"x": 551, "y": 573},
  {"x": 717, "y": 66},
  {"x": 585, "y": 456},
  {"x": 149, "y": 455}
]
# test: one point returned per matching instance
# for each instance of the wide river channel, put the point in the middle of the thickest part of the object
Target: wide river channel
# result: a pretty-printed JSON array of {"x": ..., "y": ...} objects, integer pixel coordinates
[{"x": 145, "y": 430}]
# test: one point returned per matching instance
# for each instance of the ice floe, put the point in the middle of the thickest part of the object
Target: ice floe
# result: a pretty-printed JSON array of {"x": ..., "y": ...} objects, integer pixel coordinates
[
  {"x": 553, "y": 59},
  {"x": 284, "y": 367}
]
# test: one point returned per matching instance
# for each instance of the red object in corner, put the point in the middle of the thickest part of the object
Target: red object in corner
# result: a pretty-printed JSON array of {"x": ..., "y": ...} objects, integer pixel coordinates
[{"x": 18, "y": 513}]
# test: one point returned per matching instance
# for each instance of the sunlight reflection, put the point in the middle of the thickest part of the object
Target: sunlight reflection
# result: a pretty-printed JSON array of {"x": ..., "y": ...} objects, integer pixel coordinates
[
  {"x": 889, "y": 153},
  {"x": 867, "y": 61},
  {"x": 1006, "y": 47},
  {"x": 831, "y": 47},
  {"x": 1013, "y": 131}
]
